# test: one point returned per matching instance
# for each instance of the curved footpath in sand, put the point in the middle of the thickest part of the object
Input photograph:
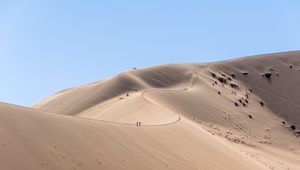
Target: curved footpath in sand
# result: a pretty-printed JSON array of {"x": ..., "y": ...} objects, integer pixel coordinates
[{"x": 234, "y": 114}]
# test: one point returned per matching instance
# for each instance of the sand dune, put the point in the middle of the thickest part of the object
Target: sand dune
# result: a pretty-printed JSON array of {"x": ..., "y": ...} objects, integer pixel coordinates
[{"x": 234, "y": 114}]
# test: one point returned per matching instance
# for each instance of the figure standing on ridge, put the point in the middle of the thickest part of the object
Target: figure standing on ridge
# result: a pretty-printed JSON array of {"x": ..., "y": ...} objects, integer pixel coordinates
[{"x": 138, "y": 124}]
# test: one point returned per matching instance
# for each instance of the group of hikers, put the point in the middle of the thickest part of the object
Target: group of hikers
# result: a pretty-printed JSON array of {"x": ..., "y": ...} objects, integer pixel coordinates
[{"x": 138, "y": 124}]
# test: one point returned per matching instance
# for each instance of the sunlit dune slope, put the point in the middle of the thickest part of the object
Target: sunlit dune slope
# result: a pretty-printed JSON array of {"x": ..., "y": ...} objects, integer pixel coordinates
[{"x": 234, "y": 114}]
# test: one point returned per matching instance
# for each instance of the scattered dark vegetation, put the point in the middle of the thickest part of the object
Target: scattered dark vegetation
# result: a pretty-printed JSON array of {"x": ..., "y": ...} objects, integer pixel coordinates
[
  {"x": 293, "y": 127},
  {"x": 134, "y": 68},
  {"x": 247, "y": 96},
  {"x": 250, "y": 116},
  {"x": 222, "y": 80},
  {"x": 228, "y": 78},
  {"x": 290, "y": 66},
  {"x": 297, "y": 133},
  {"x": 261, "y": 103},
  {"x": 245, "y": 73},
  {"x": 241, "y": 101},
  {"x": 185, "y": 89},
  {"x": 232, "y": 75},
  {"x": 271, "y": 69},
  {"x": 216, "y": 82},
  {"x": 213, "y": 75},
  {"x": 268, "y": 75},
  {"x": 250, "y": 90},
  {"x": 120, "y": 98},
  {"x": 277, "y": 74},
  {"x": 223, "y": 75},
  {"x": 219, "y": 92},
  {"x": 234, "y": 86},
  {"x": 236, "y": 104},
  {"x": 127, "y": 94}
]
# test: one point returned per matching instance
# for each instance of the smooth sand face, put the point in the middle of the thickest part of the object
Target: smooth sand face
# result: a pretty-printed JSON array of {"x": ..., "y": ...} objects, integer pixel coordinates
[{"x": 235, "y": 114}]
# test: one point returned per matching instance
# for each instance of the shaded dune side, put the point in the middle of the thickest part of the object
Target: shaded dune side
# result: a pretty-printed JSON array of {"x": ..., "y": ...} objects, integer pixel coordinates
[
  {"x": 280, "y": 91},
  {"x": 205, "y": 96}
]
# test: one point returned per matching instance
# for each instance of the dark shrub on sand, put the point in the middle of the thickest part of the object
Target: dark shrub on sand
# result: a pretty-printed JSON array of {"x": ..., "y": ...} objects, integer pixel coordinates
[
  {"x": 261, "y": 103},
  {"x": 293, "y": 127},
  {"x": 232, "y": 75},
  {"x": 268, "y": 75},
  {"x": 222, "y": 80},
  {"x": 234, "y": 86}
]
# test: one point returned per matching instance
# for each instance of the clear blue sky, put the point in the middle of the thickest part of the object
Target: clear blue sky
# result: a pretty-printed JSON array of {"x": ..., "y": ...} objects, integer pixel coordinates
[{"x": 46, "y": 46}]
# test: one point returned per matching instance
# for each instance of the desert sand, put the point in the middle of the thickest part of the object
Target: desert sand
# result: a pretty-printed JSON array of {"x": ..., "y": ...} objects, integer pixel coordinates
[{"x": 237, "y": 114}]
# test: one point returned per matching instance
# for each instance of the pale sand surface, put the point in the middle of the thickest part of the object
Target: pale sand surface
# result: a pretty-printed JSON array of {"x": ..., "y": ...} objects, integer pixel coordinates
[{"x": 185, "y": 122}]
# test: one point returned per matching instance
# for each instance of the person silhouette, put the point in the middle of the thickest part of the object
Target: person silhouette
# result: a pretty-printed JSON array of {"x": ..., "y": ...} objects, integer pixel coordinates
[{"x": 139, "y": 123}]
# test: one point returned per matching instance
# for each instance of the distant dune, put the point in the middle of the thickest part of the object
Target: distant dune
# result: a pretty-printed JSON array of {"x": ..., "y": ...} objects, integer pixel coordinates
[{"x": 236, "y": 114}]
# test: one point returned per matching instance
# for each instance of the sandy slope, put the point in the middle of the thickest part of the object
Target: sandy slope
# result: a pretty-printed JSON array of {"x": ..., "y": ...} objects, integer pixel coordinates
[{"x": 235, "y": 114}]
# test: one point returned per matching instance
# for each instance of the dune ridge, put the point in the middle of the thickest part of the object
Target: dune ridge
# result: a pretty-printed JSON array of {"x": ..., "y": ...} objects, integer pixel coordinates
[{"x": 233, "y": 114}]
